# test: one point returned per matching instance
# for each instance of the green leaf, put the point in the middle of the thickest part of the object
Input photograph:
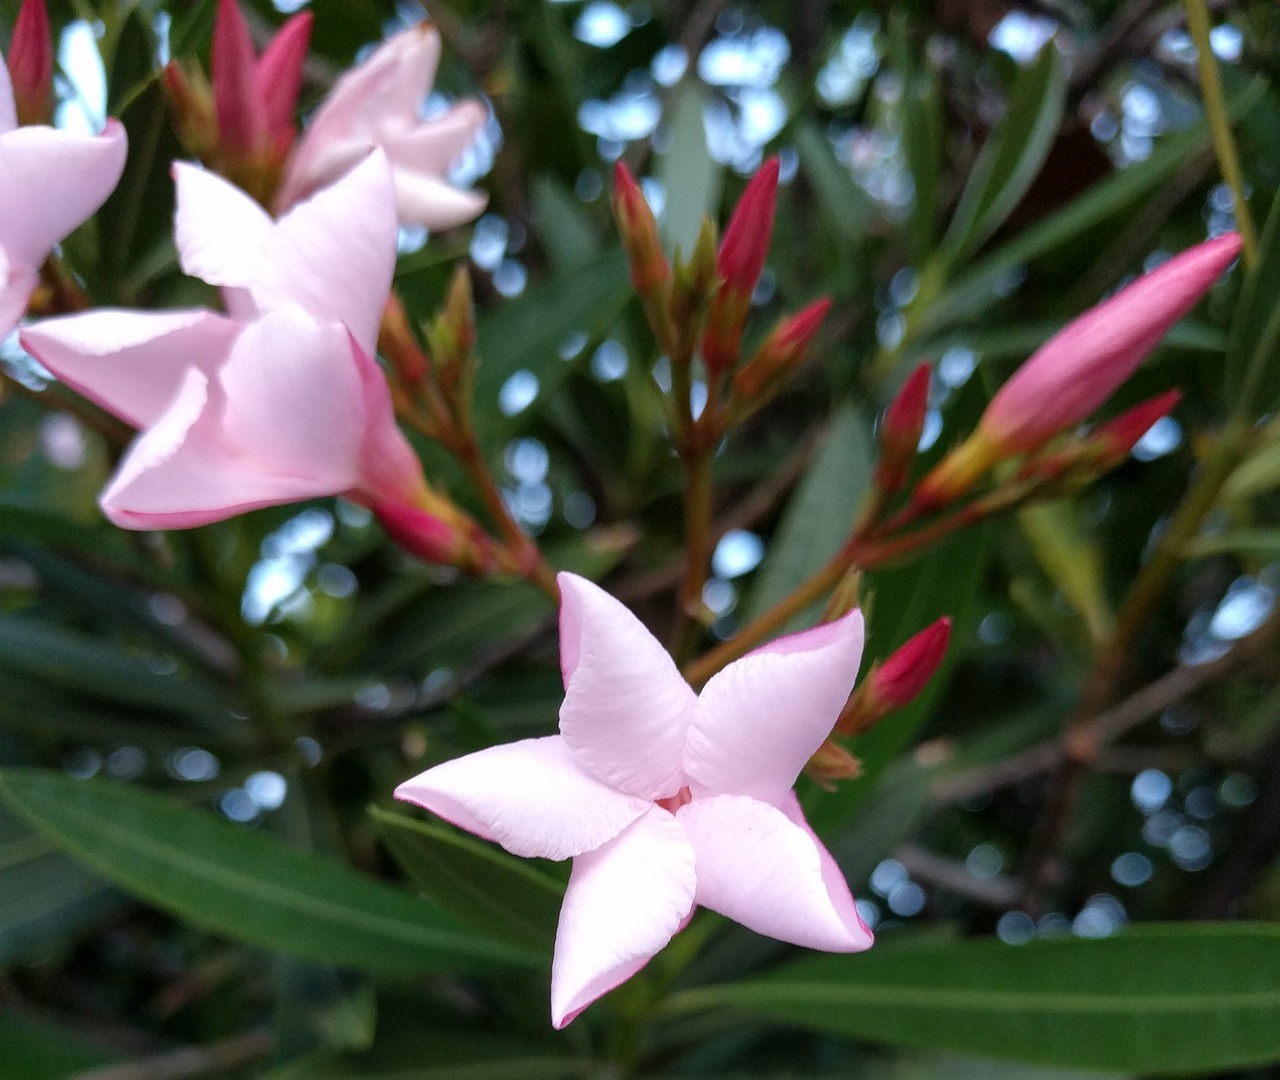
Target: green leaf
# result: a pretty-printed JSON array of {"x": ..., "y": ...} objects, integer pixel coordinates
[
  {"x": 37, "y": 1051},
  {"x": 1253, "y": 352},
  {"x": 477, "y": 882},
  {"x": 1172, "y": 998},
  {"x": 844, "y": 204},
  {"x": 528, "y": 333},
  {"x": 819, "y": 516},
  {"x": 1258, "y": 473},
  {"x": 1012, "y": 157},
  {"x": 690, "y": 178},
  {"x": 246, "y": 884},
  {"x": 1260, "y": 543}
]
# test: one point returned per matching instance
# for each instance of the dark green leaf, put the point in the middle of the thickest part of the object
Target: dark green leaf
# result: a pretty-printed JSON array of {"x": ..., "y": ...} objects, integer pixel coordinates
[
  {"x": 1253, "y": 355},
  {"x": 1189, "y": 998},
  {"x": 245, "y": 884}
]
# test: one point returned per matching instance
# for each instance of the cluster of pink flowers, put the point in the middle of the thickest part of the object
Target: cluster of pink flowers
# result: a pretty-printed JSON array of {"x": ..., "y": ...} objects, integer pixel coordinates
[{"x": 666, "y": 800}]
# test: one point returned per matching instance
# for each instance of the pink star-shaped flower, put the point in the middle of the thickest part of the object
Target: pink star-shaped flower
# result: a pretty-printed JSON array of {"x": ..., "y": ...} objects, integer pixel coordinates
[
  {"x": 665, "y": 799},
  {"x": 277, "y": 401},
  {"x": 379, "y": 103}
]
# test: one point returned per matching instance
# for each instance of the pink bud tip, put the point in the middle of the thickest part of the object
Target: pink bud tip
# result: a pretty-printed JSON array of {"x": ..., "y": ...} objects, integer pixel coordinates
[
  {"x": 639, "y": 231},
  {"x": 1117, "y": 437},
  {"x": 746, "y": 238},
  {"x": 1081, "y": 366},
  {"x": 904, "y": 418},
  {"x": 901, "y": 677},
  {"x": 31, "y": 63},
  {"x": 279, "y": 79}
]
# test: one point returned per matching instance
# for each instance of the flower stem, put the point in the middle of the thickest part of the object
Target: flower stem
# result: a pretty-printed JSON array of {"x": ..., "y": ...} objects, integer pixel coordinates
[{"x": 1220, "y": 126}]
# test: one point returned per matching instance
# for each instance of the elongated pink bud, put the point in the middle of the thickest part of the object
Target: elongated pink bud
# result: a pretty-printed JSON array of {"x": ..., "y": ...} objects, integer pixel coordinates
[
  {"x": 1081, "y": 366},
  {"x": 233, "y": 68},
  {"x": 900, "y": 430},
  {"x": 740, "y": 262},
  {"x": 428, "y": 537},
  {"x": 31, "y": 64},
  {"x": 745, "y": 243},
  {"x": 279, "y": 80}
]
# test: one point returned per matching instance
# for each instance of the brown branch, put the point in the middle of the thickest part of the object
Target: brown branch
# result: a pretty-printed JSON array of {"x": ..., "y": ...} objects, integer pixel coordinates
[
  {"x": 190, "y": 1060},
  {"x": 924, "y": 866}
]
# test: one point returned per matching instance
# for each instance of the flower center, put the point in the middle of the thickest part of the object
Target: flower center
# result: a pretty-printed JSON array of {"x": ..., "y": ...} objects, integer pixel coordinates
[{"x": 679, "y": 799}]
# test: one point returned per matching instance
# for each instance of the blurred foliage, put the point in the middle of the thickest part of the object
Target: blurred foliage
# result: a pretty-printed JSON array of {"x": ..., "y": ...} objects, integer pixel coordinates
[{"x": 194, "y": 726}]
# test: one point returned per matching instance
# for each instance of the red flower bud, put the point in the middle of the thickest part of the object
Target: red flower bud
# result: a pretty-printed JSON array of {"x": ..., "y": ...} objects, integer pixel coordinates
[
  {"x": 432, "y": 539},
  {"x": 31, "y": 64},
  {"x": 639, "y": 232},
  {"x": 786, "y": 347},
  {"x": 746, "y": 238},
  {"x": 1117, "y": 437},
  {"x": 900, "y": 678},
  {"x": 900, "y": 430}
]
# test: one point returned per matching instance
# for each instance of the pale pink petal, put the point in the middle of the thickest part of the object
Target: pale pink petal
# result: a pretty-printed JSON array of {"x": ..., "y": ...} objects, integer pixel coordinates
[
  {"x": 220, "y": 232},
  {"x": 434, "y": 145},
  {"x": 760, "y": 719},
  {"x": 390, "y": 471},
  {"x": 765, "y": 871},
  {"x": 8, "y": 112},
  {"x": 528, "y": 796},
  {"x": 53, "y": 181},
  {"x": 625, "y": 901},
  {"x": 131, "y": 363},
  {"x": 334, "y": 254},
  {"x": 626, "y": 709},
  {"x": 19, "y": 284},
  {"x": 434, "y": 204},
  {"x": 181, "y": 472},
  {"x": 832, "y": 876},
  {"x": 293, "y": 398}
]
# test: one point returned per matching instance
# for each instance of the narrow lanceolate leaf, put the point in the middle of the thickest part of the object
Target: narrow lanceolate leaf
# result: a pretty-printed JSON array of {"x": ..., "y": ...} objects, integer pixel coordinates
[
  {"x": 819, "y": 516},
  {"x": 477, "y": 882},
  {"x": 687, "y": 172},
  {"x": 1012, "y": 156},
  {"x": 1253, "y": 351},
  {"x": 1154, "y": 999},
  {"x": 245, "y": 884}
]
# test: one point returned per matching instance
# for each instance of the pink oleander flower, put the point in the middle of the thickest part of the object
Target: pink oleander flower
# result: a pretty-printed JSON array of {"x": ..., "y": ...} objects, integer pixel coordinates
[
  {"x": 378, "y": 104},
  {"x": 1081, "y": 366},
  {"x": 50, "y": 181},
  {"x": 255, "y": 99},
  {"x": 277, "y": 401},
  {"x": 665, "y": 799}
]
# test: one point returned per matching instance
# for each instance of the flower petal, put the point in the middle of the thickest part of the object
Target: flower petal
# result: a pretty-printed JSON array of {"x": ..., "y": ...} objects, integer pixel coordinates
[
  {"x": 131, "y": 362},
  {"x": 293, "y": 396},
  {"x": 625, "y": 901},
  {"x": 433, "y": 145},
  {"x": 220, "y": 232},
  {"x": 626, "y": 709},
  {"x": 434, "y": 204},
  {"x": 181, "y": 472},
  {"x": 334, "y": 254},
  {"x": 760, "y": 719},
  {"x": 759, "y": 867},
  {"x": 528, "y": 796},
  {"x": 20, "y": 283},
  {"x": 53, "y": 181},
  {"x": 8, "y": 111}
]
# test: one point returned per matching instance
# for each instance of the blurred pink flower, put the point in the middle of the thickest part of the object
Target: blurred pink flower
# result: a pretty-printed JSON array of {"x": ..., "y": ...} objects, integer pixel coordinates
[
  {"x": 278, "y": 401},
  {"x": 378, "y": 104},
  {"x": 51, "y": 181},
  {"x": 665, "y": 799}
]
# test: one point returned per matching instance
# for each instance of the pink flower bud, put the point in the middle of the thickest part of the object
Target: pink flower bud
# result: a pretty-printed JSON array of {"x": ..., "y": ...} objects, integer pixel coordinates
[
  {"x": 639, "y": 232},
  {"x": 900, "y": 430},
  {"x": 746, "y": 238},
  {"x": 31, "y": 64},
  {"x": 428, "y": 537},
  {"x": 786, "y": 347},
  {"x": 740, "y": 262},
  {"x": 256, "y": 100},
  {"x": 900, "y": 678},
  {"x": 1081, "y": 366}
]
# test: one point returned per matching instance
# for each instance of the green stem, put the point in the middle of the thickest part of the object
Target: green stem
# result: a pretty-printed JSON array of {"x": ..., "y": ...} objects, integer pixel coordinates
[
  {"x": 1220, "y": 126},
  {"x": 696, "y": 462}
]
